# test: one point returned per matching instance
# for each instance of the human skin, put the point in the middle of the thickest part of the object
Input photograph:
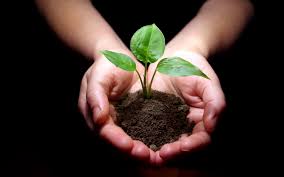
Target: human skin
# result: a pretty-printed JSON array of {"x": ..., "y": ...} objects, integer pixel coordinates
[{"x": 214, "y": 29}]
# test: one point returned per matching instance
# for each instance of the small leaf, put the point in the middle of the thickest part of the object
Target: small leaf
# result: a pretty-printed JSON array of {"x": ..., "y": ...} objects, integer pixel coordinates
[
  {"x": 120, "y": 60},
  {"x": 176, "y": 66},
  {"x": 148, "y": 44}
]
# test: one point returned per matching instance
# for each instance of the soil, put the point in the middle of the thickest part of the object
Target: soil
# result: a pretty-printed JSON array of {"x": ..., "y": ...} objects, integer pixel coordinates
[{"x": 156, "y": 121}]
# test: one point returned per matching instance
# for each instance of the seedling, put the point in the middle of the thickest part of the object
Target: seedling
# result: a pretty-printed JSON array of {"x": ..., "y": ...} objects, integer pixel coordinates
[{"x": 148, "y": 45}]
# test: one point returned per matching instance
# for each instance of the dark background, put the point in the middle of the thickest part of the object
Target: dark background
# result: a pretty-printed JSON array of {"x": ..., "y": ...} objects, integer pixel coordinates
[{"x": 46, "y": 135}]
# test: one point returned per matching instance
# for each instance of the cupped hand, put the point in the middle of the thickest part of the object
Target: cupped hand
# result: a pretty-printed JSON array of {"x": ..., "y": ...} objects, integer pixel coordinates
[
  {"x": 102, "y": 83},
  {"x": 204, "y": 97}
]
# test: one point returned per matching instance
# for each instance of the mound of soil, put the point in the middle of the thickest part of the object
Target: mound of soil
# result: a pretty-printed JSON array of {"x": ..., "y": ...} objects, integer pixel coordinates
[{"x": 156, "y": 121}]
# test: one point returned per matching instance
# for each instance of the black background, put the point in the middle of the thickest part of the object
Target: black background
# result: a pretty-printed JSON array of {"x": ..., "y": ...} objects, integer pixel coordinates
[{"x": 46, "y": 136}]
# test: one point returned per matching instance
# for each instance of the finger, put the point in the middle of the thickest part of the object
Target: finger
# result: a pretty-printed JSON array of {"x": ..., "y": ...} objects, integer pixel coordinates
[
  {"x": 214, "y": 104},
  {"x": 158, "y": 160},
  {"x": 169, "y": 151},
  {"x": 98, "y": 101},
  {"x": 195, "y": 114},
  {"x": 140, "y": 150},
  {"x": 195, "y": 141},
  {"x": 135, "y": 87},
  {"x": 182, "y": 136},
  {"x": 83, "y": 105},
  {"x": 152, "y": 157},
  {"x": 117, "y": 137},
  {"x": 199, "y": 127},
  {"x": 195, "y": 101}
]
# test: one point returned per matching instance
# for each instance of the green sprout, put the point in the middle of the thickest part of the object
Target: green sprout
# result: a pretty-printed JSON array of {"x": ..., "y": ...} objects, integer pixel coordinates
[{"x": 148, "y": 45}]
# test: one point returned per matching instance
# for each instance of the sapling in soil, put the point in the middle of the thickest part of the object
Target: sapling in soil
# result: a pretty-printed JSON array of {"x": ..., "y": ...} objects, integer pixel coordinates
[{"x": 148, "y": 45}]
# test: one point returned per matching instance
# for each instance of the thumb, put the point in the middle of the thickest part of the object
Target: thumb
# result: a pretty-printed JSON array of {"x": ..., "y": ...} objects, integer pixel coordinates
[
  {"x": 215, "y": 104},
  {"x": 97, "y": 100}
]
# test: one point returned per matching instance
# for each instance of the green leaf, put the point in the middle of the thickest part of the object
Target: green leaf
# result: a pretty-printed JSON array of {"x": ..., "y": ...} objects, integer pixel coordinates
[
  {"x": 148, "y": 44},
  {"x": 120, "y": 60},
  {"x": 176, "y": 66}
]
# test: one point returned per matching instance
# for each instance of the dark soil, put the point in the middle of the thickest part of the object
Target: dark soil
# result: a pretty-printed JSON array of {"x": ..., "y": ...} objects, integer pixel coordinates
[{"x": 156, "y": 121}]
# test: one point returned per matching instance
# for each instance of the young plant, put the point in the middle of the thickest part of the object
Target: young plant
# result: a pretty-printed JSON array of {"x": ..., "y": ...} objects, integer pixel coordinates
[{"x": 148, "y": 45}]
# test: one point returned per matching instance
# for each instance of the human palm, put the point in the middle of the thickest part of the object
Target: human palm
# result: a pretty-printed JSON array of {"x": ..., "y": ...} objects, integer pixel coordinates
[
  {"x": 102, "y": 83},
  {"x": 205, "y": 99}
]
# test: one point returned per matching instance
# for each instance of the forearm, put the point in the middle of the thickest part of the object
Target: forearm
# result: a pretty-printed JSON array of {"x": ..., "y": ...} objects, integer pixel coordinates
[
  {"x": 80, "y": 26},
  {"x": 215, "y": 28}
]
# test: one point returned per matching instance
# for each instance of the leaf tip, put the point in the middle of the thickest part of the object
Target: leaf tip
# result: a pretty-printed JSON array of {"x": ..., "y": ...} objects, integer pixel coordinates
[
  {"x": 103, "y": 51},
  {"x": 205, "y": 76}
]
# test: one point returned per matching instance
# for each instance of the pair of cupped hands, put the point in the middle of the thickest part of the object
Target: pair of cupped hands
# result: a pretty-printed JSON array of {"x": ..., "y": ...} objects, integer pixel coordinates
[{"x": 103, "y": 83}]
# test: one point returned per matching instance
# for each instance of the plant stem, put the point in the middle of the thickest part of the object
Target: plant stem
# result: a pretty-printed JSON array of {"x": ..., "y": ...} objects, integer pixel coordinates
[
  {"x": 143, "y": 86},
  {"x": 149, "y": 88},
  {"x": 145, "y": 92}
]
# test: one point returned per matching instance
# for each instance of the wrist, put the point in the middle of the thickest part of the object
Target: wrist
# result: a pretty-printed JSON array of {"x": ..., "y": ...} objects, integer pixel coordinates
[
  {"x": 189, "y": 55},
  {"x": 108, "y": 44},
  {"x": 193, "y": 56},
  {"x": 194, "y": 47}
]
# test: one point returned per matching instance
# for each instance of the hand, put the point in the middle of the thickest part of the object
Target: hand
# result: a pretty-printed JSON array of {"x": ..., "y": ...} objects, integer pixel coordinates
[
  {"x": 104, "y": 82},
  {"x": 204, "y": 97}
]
